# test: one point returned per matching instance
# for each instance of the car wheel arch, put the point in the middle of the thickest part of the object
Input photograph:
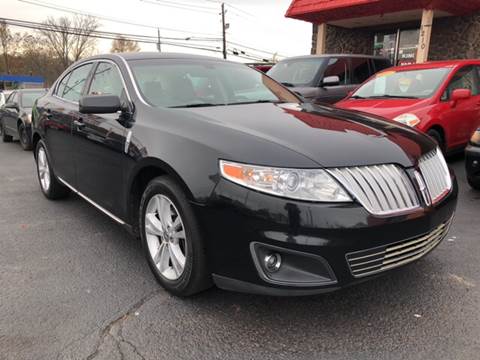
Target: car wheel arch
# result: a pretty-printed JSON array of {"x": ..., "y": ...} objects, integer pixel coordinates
[
  {"x": 441, "y": 131},
  {"x": 35, "y": 139},
  {"x": 144, "y": 172}
]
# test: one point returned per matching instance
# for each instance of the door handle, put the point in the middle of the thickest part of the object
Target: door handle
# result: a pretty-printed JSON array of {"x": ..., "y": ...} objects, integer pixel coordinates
[{"x": 79, "y": 124}]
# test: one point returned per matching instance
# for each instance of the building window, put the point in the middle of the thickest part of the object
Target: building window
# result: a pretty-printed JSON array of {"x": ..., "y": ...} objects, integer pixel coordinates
[{"x": 400, "y": 47}]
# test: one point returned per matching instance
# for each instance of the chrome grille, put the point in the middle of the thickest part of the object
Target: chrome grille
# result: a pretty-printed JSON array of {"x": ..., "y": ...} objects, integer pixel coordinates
[
  {"x": 436, "y": 174},
  {"x": 381, "y": 189},
  {"x": 372, "y": 261}
]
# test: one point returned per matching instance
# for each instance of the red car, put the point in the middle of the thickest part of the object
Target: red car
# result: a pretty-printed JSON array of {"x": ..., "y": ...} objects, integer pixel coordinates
[{"x": 440, "y": 98}]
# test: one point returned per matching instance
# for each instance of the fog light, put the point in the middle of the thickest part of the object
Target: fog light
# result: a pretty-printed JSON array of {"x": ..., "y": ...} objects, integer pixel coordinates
[{"x": 272, "y": 262}]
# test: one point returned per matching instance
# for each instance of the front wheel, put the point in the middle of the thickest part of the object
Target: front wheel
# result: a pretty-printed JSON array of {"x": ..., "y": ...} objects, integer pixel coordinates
[
  {"x": 474, "y": 182},
  {"x": 25, "y": 141},
  {"x": 171, "y": 239},
  {"x": 438, "y": 139},
  {"x": 51, "y": 187}
]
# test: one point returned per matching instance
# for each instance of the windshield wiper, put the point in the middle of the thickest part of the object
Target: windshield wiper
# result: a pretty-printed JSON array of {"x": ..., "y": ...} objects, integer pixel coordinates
[
  {"x": 357, "y": 97},
  {"x": 195, "y": 105},
  {"x": 257, "y": 102},
  {"x": 287, "y": 84},
  {"x": 386, "y": 96}
]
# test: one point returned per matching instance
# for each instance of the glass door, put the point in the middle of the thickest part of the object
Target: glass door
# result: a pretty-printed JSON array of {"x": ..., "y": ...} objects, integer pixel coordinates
[{"x": 400, "y": 47}]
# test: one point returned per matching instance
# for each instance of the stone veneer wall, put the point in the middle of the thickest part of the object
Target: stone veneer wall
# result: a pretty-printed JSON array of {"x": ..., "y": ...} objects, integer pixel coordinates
[
  {"x": 455, "y": 38},
  {"x": 348, "y": 41}
]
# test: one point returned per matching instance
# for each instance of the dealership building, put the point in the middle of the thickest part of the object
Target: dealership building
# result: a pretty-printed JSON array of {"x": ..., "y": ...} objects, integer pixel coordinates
[{"x": 405, "y": 31}]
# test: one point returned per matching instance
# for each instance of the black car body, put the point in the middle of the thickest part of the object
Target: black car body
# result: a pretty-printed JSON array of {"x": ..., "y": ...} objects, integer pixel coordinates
[
  {"x": 472, "y": 160},
  {"x": 326, "y": 78},
  {"x": 241, "y": 175},
  {"x": 15, "y": 116}
]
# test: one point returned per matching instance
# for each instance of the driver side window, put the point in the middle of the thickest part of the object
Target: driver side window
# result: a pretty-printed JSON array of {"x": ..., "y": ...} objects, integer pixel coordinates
[
  {"x": 106, "y": 81},
  {"x": 465, "y": 78}
]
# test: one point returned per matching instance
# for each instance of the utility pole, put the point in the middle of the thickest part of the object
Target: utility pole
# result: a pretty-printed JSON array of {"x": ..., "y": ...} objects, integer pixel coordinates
[
  {"x": 224, "y": 30},
  {"x": 159, "y": 44}
]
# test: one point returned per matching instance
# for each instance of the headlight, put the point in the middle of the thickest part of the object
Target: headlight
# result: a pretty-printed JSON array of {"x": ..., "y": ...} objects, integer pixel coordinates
[
  {"x": 300, "y": 184},
  {"x": 408, "y": 119},
  {"x": 476, "y": 138}
]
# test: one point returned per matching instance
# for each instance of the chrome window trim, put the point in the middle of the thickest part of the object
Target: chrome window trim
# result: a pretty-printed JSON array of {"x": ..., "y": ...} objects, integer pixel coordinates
[
  {"x": 132, "y": 79},
  {"x": 106, "y": 212}
]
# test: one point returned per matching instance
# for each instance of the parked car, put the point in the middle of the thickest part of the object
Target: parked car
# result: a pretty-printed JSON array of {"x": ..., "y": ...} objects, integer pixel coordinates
[
  {"x": 441, "y": 99},
  {"x": 326, "y": 78},
  {"x": 2, "y": 98},
  {"x": 227, "y": 177},
  {"x": 472, "y": 160},
  {"x": 16, "y": 116},
  {"x": 263, "y": 67}
]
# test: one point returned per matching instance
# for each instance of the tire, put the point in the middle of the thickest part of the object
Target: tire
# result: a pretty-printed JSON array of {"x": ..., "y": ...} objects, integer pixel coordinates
[
  {"x": 50, "y": 186},
  {"x": 474, "y": 182},
  {"x": 25, "y": 142},
  {"x": 438, "y": 139},
  {"x": 5, "y": 138},
  {"x": 164, "y": 245}
]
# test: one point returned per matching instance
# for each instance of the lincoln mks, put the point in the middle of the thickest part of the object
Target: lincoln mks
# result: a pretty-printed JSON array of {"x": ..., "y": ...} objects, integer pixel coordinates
[{"x": 228, "y": 178}]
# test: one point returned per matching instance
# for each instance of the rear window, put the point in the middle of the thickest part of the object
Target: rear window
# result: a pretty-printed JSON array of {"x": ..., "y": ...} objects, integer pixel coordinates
[{"x": 28, "y": 98}]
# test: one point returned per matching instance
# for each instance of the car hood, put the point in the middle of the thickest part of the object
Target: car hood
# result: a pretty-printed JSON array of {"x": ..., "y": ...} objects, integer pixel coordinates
[
  {"x": 388, "y": 108},
  {"x": 328, "y": 136}
]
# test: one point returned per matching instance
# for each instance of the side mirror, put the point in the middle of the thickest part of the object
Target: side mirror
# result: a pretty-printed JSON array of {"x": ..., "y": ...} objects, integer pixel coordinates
[
  {"x": 12, "y": 106},
  {"x": 460, "y": 94},
  {"x": 331, "y": 81},
  {"x": 99, "y": 104}
]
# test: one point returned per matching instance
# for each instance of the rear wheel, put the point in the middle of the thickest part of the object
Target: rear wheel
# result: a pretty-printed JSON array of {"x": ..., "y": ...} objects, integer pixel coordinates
[
  {"x": 25, "y": 141},
  {"x": 171, "y": 239},
  {"x": 435, "y": 134},
  {"x": 5, "y": 138},
  {"x": 51, "y": 187}
]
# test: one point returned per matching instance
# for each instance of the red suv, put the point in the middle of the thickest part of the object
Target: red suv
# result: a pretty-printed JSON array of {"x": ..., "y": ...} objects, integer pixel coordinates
[{"x": 441, "y": 99}]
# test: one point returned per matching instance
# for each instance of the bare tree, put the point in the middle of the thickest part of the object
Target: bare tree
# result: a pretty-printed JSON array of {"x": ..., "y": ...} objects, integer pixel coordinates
[
  {"x": 8, "y": 43},
  {"x": 70, "y": 39},
  {"x": 120, "y": 44}
]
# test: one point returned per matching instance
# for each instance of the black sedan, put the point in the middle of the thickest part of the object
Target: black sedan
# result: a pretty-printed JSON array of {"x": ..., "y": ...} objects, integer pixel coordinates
[
  {"x": 228, "y": 178},
  {"x": 473, "y": 160},
  {"x": 16, "y": 116}
]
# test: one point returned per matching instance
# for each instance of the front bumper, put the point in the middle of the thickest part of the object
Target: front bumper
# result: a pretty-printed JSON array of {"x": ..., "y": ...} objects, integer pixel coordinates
[
  {"x": 472, "y": 161},
  {"x": 239, "y": 224}
]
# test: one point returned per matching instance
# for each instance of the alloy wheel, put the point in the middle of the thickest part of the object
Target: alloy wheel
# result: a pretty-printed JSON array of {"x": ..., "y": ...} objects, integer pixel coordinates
[
  {"x": 43, "y": 169},
  {"x": 166, "y": 239}
]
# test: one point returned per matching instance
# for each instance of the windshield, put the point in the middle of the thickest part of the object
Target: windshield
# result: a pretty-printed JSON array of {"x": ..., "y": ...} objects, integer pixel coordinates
[
  {"x": 192, "y": 83},
  {"x": 28, "y": 98},
  {"x": 297, "y": 72},
  {"x": 415, "y": 84}
]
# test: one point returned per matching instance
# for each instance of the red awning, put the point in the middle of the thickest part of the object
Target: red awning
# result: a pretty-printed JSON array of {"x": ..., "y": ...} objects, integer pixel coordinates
[{"x": 319, "y": 11}]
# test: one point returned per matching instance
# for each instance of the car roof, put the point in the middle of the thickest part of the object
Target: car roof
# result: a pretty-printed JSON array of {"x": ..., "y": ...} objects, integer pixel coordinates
[
  {"x": 153, "y": 55},
  {"x": 335, "y": 55},
  {"x": 435, "y": 65}
]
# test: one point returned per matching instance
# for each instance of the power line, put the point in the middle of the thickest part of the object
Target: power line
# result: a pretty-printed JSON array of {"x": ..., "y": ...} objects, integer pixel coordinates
[
  {"x": 103, "y": 17},
  {"x": 178, "y": 5},
  {"x": 101, "y": 35}
]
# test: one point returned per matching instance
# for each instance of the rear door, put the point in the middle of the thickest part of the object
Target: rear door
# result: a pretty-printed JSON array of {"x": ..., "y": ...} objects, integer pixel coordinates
[
  {"x": 62, "y": 112},
  {"x": 461, "y": 119},
  {"x": 100, "y": 144}
]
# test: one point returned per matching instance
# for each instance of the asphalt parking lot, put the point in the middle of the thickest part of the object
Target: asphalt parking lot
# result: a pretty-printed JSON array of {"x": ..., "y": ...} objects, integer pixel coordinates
[{"x": 74, "y": 285}]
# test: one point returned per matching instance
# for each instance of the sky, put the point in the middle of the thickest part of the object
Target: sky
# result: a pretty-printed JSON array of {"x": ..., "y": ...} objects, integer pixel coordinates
[{"x": 257, "y": 24}]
